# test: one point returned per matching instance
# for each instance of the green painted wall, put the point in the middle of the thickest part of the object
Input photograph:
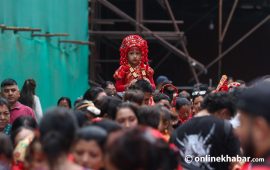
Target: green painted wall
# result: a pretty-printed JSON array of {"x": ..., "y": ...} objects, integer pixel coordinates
[{"x": 59, "y": 69}]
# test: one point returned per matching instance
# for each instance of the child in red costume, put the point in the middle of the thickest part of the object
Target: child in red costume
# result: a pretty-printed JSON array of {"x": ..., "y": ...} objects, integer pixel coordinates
[{"x": 133, "y": 63}]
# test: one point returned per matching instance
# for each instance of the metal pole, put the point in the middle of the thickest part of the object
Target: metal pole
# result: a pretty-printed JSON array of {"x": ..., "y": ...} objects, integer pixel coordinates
[
  {"x": 220, "y": 41},
  {"x": 193, "y": 71},
  {"x": 229, "y": 20},
  {"x": 166, "y": 44},
  {"x": 138, "y": 14},
  {"x": 239, "y": 41}
]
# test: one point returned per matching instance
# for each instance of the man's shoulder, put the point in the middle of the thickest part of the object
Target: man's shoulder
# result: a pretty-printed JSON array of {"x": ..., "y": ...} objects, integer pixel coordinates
[
  {"x": 201, "y": 124},
  {"x": 24, "y": 107}
]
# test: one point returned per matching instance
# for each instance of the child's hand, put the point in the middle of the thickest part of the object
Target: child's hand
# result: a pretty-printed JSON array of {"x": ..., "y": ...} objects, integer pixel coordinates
[
  {"x": 130, "y": 84},
  {"x": 133, "y": 82}
]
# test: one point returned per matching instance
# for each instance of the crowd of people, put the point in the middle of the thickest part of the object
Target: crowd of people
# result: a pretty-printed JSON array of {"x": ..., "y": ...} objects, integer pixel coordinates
[{"x": 137, "y": 123}]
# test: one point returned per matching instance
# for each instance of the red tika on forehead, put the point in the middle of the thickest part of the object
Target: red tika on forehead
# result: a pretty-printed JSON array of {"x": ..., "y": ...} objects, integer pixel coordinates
[{"x": 130, "y": 42}]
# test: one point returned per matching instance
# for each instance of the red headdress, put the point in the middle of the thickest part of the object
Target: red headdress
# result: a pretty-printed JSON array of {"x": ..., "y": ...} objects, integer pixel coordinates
[
  {"x": 223, "y": 85},
  {"x": 133, "y": 41}
]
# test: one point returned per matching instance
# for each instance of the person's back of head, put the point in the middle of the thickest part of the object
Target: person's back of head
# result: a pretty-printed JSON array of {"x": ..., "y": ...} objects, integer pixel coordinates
[
  {"x": 149, "y": 116},
  {"x": 160, "y": 96},
  {"x": 220, "y": 104},
  {"x": 108, "y": 125},
  {"x": 108, "y": 106},
  {"x": 24, "y": 121},
  {"x": 57, "y": 132},
  {"x": 81, "y": 117},
  {"x": 135, "y": 96},
  {"x": 141, "y": 148},
  {"x": 27, "y": 93},
  {"x": 143, "y": 85},
  {"x": 92, "y": 94},
  {"x": 29, "y": 85}
]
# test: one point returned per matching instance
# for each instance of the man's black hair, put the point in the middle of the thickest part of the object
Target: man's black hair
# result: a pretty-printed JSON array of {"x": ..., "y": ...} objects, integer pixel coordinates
[
  {"x": 160, "y": 96},
  {"x": 8, "y": 82},
  {"x": 214, "y": 102},
  {"x": 180, "y": 102},
  {"x": 92, "y": 93},
  {"x": 149, "y": 116},
  {"x": 143, "y": 85}
]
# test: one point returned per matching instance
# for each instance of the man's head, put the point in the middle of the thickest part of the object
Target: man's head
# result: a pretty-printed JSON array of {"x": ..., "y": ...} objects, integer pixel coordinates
[
  {"x": 161, "y": 80},
  {"x": 146, "y": 88},
  {"x": 254, "y": 108},
  {"x": 4, "y": 113},
  {"x": 109, "y": 88},
  {"x": 220, "y": 104},
  {"x": 183, "y": 107},
  {"x": 10, "y": 91},
  {"x": 162, "y": 99}
]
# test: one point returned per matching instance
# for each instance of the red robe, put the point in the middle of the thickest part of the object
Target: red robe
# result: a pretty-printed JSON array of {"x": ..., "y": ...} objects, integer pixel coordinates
[{"x": 125, "y": 74}]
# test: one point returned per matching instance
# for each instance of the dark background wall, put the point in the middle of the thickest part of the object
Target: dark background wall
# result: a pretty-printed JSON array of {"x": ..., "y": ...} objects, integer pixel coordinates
[{"x": 247, "y": 61}]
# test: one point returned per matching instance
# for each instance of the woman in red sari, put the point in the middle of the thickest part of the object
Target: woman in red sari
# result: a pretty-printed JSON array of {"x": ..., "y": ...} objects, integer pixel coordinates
[{"x": 133, "y": 63}]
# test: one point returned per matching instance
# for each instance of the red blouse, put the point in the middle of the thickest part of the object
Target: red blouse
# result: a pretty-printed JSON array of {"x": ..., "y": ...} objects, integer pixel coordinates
[{"x": 125, "y": 74}]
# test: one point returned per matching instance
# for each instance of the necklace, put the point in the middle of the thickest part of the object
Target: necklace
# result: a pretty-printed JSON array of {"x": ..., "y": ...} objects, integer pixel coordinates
[{"x": 134, "y": 74}]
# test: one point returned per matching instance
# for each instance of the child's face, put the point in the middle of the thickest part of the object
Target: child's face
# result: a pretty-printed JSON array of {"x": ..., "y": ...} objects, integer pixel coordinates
[{"x": 134, "y": 56}]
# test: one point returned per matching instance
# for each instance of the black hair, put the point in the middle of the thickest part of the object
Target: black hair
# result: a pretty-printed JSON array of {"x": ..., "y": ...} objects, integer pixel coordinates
[
  {"x": 108, "y": 125},
  {"x": 8, "y": 82},
  {"x": 165, "y": 113},
  {"x": 6, "y": 147},
  {"x": 81, "y": 117},
  {"x": 130, "y": 105},
  {"x": 108, "y": 105},
  {"x": 149, "y": 116},
  {"x": 135, "y": 96},
  {"x": 27, "y": 93},
  {"x": 254, "y": 100},
  {"x": 24, "y": 121},
  {"x": 34, "y": 147},
  {"x": 143, "y": 85},
  {"x": 184, "y": 94},
  {"x": 64, "y": 98},
  {"x": 92, "y": 93},
  {"x": 199, "y": 90},
  {"x": 148, "y": 151},
  {"x": 57, "y": 132},
  {"x": 3, "y": 101},
  {"x": 92, "y": 133},
  {"x": 214, "y": 102},
  {"x": 180, "y": 102},
  {"x": 160, "y": 96},
  {"x": 106, "y": 83}
]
